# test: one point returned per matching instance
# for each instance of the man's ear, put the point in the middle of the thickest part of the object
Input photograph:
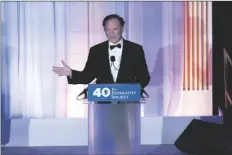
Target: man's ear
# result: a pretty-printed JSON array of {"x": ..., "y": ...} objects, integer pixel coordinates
[{"x": 122, "y": 29}]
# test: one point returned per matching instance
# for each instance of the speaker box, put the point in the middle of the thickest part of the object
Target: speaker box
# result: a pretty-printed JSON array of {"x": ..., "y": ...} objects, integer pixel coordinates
[{"x": 203, "y": 138}]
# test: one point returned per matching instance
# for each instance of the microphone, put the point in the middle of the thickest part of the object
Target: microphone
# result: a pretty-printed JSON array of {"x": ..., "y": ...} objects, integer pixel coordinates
[
  {"x": 112, "y": 59},
  {"x": 85, "y": 92}
]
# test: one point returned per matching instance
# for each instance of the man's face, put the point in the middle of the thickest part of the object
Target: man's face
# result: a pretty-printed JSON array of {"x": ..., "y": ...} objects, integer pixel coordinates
[{"x": 113, "y": 30}]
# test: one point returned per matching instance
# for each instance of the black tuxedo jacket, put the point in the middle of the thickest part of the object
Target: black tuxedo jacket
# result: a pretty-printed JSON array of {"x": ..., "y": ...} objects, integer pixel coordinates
[{"x": 133, "y": 67}]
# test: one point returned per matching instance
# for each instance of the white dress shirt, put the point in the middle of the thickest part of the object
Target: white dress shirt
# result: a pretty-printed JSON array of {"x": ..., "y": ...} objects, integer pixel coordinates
[{"x": 117, "y": 53}]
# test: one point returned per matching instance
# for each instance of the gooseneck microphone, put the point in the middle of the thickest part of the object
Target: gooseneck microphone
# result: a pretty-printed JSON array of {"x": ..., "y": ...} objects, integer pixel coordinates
[
  {"x": 84, "y": 92},
  {"x": 112, "y": 59}
]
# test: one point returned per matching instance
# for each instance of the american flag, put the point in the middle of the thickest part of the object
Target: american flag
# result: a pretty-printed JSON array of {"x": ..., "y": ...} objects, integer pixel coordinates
[{"x": 197, "y": 50}]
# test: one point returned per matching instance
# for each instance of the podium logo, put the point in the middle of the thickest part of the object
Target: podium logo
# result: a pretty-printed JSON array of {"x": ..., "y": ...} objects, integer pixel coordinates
[{"x": 105, "y": 92}]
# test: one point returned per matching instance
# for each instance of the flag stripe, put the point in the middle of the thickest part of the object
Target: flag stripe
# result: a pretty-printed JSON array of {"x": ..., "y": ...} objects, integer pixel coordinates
[
  {"x": 193, "y": 41},
  {"x": 185, "y": 17},
  {"x": 202, "y": 46},
  {"x": 188, "y": 46},
  {"x": 198, "y": 48},
  {"x": 207, "y": 48}
]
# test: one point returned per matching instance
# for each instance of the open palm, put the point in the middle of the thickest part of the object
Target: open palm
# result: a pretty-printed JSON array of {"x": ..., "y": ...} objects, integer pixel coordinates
[{"x": 62, "y": 71}]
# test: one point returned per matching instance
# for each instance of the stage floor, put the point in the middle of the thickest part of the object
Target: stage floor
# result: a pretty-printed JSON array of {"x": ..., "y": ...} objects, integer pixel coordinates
[{"x": 165, "y": 149}]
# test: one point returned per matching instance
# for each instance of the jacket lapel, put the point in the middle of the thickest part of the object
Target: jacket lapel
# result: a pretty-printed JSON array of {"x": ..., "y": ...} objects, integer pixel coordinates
[
  {"x": 106, "y": 57},
  {"x": 123, "y": 60}
]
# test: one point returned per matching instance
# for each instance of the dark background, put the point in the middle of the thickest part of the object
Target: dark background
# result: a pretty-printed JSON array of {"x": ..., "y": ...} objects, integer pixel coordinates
[{"x": 222, "y": 38}]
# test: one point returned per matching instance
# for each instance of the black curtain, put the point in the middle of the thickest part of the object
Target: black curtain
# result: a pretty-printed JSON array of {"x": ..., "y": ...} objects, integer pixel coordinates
[{"x": 222, "y": 38}]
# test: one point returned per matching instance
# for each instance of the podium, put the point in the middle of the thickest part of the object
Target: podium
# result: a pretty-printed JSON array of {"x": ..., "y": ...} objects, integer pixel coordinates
[{"x": 114, "y": 127}]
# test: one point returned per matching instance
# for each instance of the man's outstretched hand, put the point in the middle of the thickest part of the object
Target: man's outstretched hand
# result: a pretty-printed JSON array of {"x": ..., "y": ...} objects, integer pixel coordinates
[{"x": 62, "y": 71}]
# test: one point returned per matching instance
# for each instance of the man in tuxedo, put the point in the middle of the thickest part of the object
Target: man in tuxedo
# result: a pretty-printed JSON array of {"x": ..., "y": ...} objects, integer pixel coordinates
[{"x": 114, "y": 61}]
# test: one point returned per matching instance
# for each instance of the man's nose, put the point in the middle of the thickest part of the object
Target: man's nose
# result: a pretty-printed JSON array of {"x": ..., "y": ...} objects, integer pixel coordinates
[{"x": 111, "y": 33}]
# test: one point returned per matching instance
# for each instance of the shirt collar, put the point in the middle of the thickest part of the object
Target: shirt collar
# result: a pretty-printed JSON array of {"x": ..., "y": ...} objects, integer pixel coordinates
[{"x": 119, "y": 42}]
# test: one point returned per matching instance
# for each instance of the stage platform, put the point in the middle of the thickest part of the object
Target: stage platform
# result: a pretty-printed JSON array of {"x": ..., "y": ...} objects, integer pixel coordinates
[
  {"x": 164, "y": 149},
  {"x": 38, "y": 137}
]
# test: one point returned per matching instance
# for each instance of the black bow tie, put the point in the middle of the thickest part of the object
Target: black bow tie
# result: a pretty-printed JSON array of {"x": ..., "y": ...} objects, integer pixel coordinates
[{"x": 113, "y": 46}]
